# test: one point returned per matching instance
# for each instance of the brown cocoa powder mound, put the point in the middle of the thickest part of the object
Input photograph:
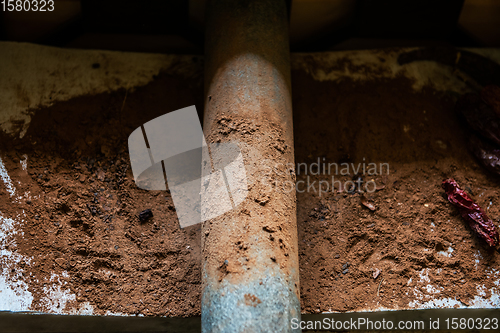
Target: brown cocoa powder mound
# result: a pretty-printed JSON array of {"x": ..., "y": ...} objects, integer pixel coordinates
[
  {"x": 341, "y": 242},
  {"x": 85, "y": 218}
]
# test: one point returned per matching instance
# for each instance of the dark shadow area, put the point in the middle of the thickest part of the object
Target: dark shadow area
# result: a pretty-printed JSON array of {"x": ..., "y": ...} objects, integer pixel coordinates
[{"x": 25, "y": 322}]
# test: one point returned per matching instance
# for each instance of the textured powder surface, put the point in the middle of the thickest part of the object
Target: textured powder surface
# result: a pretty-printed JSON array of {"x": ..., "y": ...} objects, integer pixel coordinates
[
  {"x": 81, "y": 210},
  {"x": 80, "y": 241},
  {"x": 426, "y": 254}
]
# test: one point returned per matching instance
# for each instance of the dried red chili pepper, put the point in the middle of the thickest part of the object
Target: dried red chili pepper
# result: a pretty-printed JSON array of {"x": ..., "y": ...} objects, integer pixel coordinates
[
  {"x": 486, "y": 154},
  {"x": 471, "y": 212},
  {"x": 480, "y": 112}
]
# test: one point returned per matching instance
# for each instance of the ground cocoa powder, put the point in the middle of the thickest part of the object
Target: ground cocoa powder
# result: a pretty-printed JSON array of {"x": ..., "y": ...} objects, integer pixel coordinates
[{"x": 82, "y": 215}]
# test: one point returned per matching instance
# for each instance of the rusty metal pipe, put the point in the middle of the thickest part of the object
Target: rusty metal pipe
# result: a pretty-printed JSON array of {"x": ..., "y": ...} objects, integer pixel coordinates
[{"x": 250, "y": 262}]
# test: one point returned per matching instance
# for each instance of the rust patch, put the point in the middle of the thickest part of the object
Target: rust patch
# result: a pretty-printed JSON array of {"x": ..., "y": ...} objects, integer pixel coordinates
[{"x": 252, "y": 300}]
